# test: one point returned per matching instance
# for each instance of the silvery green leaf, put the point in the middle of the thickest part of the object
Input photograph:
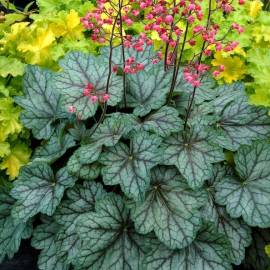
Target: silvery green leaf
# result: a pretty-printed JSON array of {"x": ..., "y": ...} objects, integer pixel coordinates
[
  {"x": 41, "y": 103},
  {"x": 144, "y": 57},
  {"x": 208, "y": 252},
  {"x": 147, "y": 90},
  {"x": 88, "y": 153},
  {"x": 44, "y": 238},
  {"x": 248, "y": 196},
  {"x": 79, "y": 69},
  {"x": 193, "y": 154},
  {"x": 109, "y": 241},
  {"x": 240, "y": 123},
  {"x": 83, "y": 171},
  {"x": 130, "y": 166},
  {"x": 205, "y": 92},
  {"x": 80, "y": 201},
  {"x": 54, "y": 148},
  {"x": 163, "y": 122},
  {"x": 11, "y": 230},
  {"x": 113, "y": 128},
  {"x": 37, "y": 189},
  {"x": 236, "y": 231},
  {"x": 170, "y": 209}
]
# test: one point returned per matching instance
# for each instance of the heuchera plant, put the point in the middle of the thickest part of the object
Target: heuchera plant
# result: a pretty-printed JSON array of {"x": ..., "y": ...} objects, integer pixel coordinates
[{"x": 131, "y": 171}]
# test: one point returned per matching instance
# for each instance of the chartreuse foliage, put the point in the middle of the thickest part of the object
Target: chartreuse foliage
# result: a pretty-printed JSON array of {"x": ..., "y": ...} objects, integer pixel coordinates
[
  {"x": 140, "y": 189},
  {"x": 250, "y": 59},
  {"x": 41, "y": 40}
]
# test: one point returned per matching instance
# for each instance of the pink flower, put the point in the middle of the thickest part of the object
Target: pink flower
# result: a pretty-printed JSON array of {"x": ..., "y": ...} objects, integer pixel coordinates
[
  {"x": 94, "y": 99},
  {"x": 106, "y": 97},
  {"x": 216, "y": 73},
  {"x": 191, "y": 7},
  {"x": 71, "y": 109},
  {"x": 115, "y": 69},
  {"x": 168, "y": 19},
  {"x": 135, "y": 12}
]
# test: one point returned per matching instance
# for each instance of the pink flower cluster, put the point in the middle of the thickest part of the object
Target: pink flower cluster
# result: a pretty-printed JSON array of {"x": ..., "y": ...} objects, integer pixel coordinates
[
  {"x": 194, "y": 72},
  {"x": 90, "y": 92},
  {"x": 163, "y": 18}
]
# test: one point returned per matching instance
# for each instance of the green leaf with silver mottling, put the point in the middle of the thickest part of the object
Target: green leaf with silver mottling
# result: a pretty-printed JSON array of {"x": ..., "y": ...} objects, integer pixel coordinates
[
  {"x": 236, "y": 231},
  {"x": 208, "y": 252},
  {"x": 37, "y": 189},
  {"x": 147, "y": 90},
  {"x": 248, "y": 196},
  {"x": 44, "y": 238},
  {"x": 11, "y": 230},
  {"x": 41, "y": 103},
  {"x": 109, "y": 240},
  {"x": 193, "y": 154},
  {"x": 80, "y": 201},
  {"x": 83, "y": 171},
  {"x": 204, "y": 92},
  {"x": 239, "y": 123},
  {"x": 54, "y": 148},
  {"x": 113, "y": 128},
  {"x": 163, "y": 122},
  {"x": 79, "y": 69},
  {"x": 88, "y": 153},
  {"x": 143, "y": 57},
  {"x": 170, "y": 209},
  {"x": 130, "y": 167}
]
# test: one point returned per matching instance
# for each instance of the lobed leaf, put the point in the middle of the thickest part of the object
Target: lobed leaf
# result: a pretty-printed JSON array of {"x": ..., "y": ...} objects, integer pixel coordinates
[
  {"x": 249, "y": 196},
  {"x": 170, "y": 209},
  {"x": 79, "y": 69},
  {"x": 193, "y": 154},
  {"x": 130, "y": 167},
  {"x": 41, "y": 103},
  {"x": 37, "y": 189},
  {"x": 109, "y": 241}
]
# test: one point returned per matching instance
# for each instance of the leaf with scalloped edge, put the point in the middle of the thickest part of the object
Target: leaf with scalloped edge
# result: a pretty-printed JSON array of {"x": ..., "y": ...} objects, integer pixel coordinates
[
  {"x": 83, "y": 171},
  {"x": 239, "y": 122},
  {"x": 112, "y": 129},
  {"x": 208, "y": 251},
  {"x": 147, "y": 90},
  {"x": 170, "y": 209},
  {"x": 11, "y": 230},
  {"x": 193, "y": 154},
  {"x": 80, "y": 201},
  {"x": 79, "y": 69},
  {"x": 248, "y": 196},
  {"x": 163, "y": 122},
  {"x": 88, "y": 153},
  {"x": 37, "y": 189},
  {"x": 236, "y": 231},
  {"x": 44, "y": 238},
  {"x": 130, "y": 167},
  {"x": 109, "y": 240},
  {"x": 54, "y": 148},
  {"x": 57, "y": 238},
  {"x": 41, "y": 103}
]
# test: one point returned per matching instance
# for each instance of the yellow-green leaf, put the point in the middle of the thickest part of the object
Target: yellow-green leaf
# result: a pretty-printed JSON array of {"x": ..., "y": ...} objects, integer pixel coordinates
[{"x": 19, "y": 155}]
